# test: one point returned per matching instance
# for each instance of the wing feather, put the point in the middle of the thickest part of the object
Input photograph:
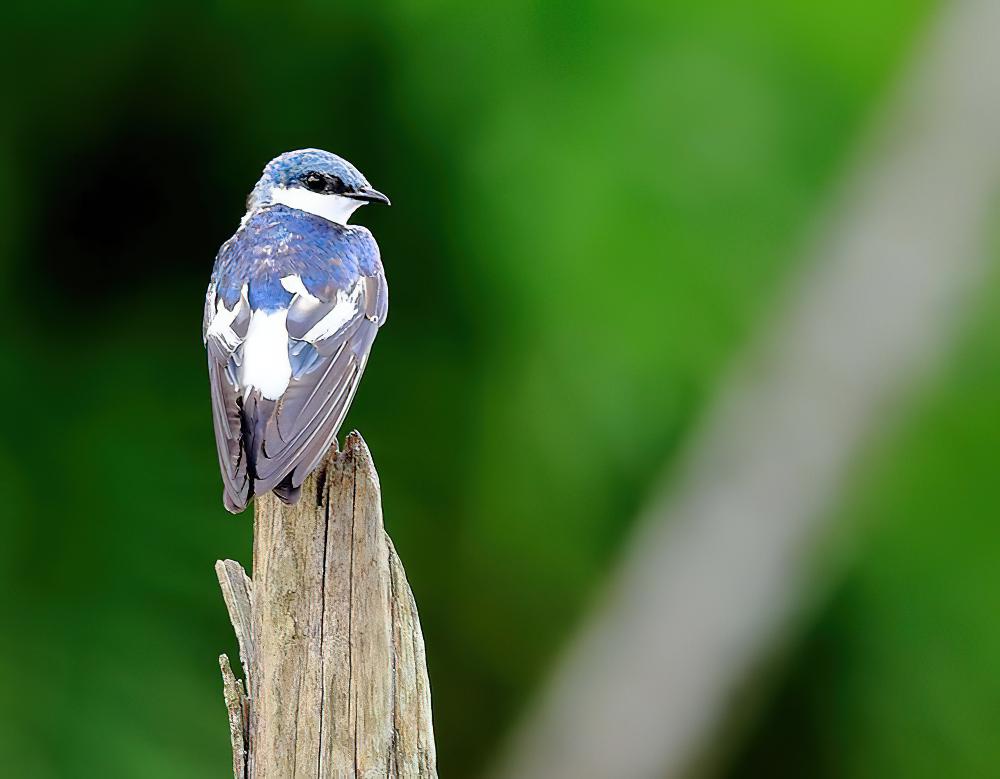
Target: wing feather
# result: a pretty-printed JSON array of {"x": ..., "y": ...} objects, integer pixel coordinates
[{"x": 226, "y": 415}]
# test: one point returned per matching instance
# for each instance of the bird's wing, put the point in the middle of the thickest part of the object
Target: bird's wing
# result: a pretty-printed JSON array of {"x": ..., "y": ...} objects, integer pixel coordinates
[
  {"x": 330, "y": 285},
  {"x": 328, "y": 350},
  {"x": 224, "y": 330}
]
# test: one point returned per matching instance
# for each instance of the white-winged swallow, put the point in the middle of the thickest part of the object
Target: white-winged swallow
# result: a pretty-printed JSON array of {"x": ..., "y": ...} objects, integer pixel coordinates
[{"x": 295, "y": 300}]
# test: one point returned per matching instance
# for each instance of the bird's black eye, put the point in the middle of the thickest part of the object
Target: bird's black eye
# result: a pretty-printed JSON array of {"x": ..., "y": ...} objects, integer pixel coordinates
[
  {"x": 314, "y": 182},
  {"x": 323, "y": 183}
]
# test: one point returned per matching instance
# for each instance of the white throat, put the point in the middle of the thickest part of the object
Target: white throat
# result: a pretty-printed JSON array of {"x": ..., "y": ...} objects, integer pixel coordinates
[{"x": 336, "y": 208}]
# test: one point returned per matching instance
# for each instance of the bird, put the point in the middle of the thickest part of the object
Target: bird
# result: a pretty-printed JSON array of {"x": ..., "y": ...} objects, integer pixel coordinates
[{"x": 293, "y": 305}]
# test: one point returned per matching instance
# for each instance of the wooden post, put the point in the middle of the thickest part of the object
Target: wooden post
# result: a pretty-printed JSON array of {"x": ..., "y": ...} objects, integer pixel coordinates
[{"x": 330, "y": 642}]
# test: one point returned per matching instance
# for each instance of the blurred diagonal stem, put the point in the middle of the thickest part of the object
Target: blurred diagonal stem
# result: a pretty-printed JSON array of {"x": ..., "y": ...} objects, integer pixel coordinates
[{"x": 715, "y": 570}]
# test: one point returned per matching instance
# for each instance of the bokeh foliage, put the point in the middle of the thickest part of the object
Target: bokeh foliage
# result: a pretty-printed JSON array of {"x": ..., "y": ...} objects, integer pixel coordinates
[
  {"x": 895, "y": 676},
  {"x": 595, "y": 205}
]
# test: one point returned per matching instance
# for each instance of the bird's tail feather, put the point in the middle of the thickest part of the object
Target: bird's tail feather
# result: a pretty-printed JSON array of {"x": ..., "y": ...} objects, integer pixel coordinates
[
  {"x": 255, "y": 414},
  {"x": 286, "y": 493}
]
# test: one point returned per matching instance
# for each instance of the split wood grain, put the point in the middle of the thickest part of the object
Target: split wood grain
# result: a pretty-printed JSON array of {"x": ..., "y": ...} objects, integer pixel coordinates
[{"x": 329, "y": 636}]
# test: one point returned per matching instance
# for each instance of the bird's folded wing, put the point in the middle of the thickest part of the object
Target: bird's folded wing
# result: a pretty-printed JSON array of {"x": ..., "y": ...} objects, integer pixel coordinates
[
  {"x": 223, "y": 338},
  {"x": 327, "y": 362}
]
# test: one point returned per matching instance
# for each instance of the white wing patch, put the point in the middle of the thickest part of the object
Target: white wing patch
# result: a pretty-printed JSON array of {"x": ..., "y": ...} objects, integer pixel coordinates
[
  {"x": 344, "y": 310},
  {"x": 265, "y": 354},
  {"x": 221, "y": 324}
]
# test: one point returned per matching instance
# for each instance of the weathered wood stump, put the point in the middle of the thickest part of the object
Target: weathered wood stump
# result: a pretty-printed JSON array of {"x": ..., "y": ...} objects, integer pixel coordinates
[{"x": 330, "y": 642}]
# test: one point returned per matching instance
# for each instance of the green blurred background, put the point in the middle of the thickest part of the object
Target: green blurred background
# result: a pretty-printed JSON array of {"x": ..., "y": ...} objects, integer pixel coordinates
[{"x": 594, "y": 206}]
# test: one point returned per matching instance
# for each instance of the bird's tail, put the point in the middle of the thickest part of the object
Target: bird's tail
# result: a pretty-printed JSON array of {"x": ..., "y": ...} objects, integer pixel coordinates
[
  {"x": 286, "y": 493},
  {"x": 255, "y": 413}
]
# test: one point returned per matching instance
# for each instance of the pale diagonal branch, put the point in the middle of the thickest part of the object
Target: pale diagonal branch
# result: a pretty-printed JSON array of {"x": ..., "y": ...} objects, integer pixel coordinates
[{"x": 715, "y": 569}]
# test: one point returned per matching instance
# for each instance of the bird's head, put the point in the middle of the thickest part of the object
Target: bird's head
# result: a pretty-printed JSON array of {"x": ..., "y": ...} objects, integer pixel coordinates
[{"x": 316, "y": 181}]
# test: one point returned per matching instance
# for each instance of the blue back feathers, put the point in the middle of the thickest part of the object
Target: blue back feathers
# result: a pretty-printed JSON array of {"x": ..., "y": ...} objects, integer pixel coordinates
[{"x": 279, "y": 241}]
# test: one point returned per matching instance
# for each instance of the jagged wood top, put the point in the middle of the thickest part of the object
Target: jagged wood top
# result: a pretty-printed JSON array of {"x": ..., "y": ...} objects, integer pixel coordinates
[{"x": 329, "y": 637}]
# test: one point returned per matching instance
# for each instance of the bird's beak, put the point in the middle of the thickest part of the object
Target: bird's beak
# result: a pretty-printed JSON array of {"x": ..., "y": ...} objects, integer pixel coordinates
[{"x": 369, "y": 195}]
